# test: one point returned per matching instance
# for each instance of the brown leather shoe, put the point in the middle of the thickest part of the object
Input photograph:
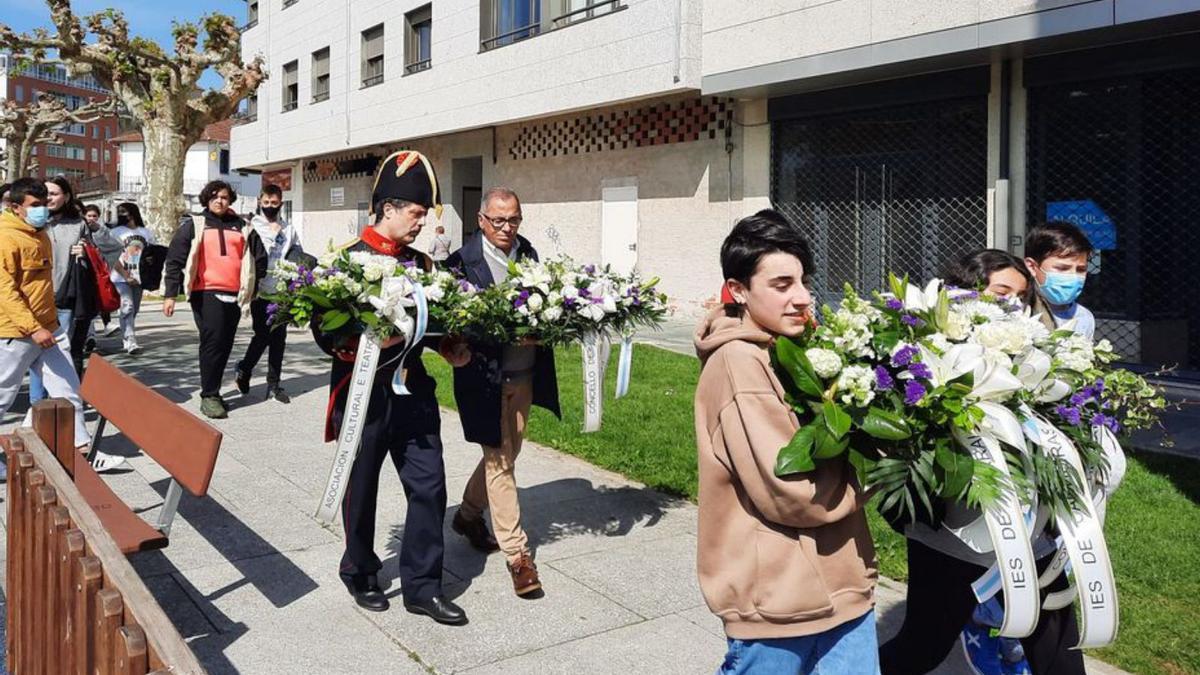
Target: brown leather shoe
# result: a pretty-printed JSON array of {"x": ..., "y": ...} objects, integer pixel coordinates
[
  {"x": 524, "y": 575},
  {"x": 476, "y": 532}
]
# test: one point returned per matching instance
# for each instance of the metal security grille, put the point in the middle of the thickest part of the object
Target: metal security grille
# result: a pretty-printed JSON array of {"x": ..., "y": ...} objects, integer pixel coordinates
[
  {"x": 1120, "y": 158},
  {"x": 900, "y": 189}
]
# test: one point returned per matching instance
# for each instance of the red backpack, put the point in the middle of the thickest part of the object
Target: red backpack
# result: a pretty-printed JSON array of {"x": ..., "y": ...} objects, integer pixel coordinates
[{"x": 107, "y": 297}]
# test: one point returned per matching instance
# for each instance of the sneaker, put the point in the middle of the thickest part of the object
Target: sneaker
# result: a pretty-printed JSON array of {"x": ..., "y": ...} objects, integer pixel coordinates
[
  {"x": 276, "y": 392},
  {"x": 103, "y": 462},
  {"x": 110, "y": 330},
  {"x": 242, "y": 379},
  {"x": 213, "y": 407},
  {"x": 132, "y": 348}
]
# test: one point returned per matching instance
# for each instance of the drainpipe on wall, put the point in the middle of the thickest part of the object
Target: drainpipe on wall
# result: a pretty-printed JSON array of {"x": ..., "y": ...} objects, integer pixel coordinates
[
  {"x": 678, "y": 38},
  {"x": 1003, "y": 203},
  {"x": 346, "y": 106}
]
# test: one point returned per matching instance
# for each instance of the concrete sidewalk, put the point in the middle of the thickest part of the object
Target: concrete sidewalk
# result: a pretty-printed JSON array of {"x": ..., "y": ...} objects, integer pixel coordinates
[{"x": 250, "y": 578}]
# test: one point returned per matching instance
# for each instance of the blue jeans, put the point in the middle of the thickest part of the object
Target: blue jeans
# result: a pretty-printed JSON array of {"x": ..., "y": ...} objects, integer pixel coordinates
[
  {"x": 849, "y": 649},
  {"x": 37, "y": 390}
]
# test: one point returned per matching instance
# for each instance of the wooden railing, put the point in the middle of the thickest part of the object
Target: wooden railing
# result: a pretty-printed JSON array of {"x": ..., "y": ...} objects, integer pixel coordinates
[{"x": 75, "y": 605}]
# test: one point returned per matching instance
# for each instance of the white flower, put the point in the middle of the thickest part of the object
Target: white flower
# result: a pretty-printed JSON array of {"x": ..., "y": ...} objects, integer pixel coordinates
[
  {"x": 552, "y": 313},
  {"x": 1075, "y": 352},
  {"x": 570, "y": 291},
  {"x": 856, "y": 386},
  {"x": 609, "y": 304},
  {"x": 1103, "y": 347},
  {"x": 327, "y": 259},
  {"x": 958, "y": 325},
  {"x": 826, "y": 363},
  {"x": 434, "y": 293},
  {"x": 1009, "y": 337},
  {"x": 978, "y": 311},
  {"x": 555, "y": 298},
  {"x": 938, "y": 342},
  {"x": 535, "y": 302},
  {"x": 918, "y": 300}
]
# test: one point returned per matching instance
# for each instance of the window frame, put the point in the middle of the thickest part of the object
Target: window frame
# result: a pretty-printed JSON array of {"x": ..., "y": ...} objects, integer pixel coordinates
[
  {"x": 367, "y": 78},
  {"x": 291, "y": 100},
  {"x": 413, "y": 22},
  {"x": 320, "y": 81}
]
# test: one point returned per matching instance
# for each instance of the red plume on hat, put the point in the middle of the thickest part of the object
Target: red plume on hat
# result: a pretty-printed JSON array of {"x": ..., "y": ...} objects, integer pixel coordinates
[{"x": 407, "y": 175}]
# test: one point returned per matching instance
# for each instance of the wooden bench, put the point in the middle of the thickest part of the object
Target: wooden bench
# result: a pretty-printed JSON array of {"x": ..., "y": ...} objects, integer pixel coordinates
[
  {"x": 182, "y": 444},
  {"x": 75, "y": 604}
]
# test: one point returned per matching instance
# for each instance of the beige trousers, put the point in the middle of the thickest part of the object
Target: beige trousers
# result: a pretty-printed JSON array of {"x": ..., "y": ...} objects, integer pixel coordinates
[{"x": 494, "y": 484}]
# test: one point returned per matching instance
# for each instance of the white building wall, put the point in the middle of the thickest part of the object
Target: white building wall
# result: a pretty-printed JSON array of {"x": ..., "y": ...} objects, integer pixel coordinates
[{"x": 646, "y": 49}]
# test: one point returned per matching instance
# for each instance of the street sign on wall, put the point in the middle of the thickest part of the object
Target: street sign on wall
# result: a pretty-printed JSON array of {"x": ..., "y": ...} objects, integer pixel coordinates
[{"x": 1089, "y": 217}]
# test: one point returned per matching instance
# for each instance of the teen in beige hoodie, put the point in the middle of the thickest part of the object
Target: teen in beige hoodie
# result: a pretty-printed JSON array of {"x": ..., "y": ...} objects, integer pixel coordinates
[{"x": 787, "y": 563}]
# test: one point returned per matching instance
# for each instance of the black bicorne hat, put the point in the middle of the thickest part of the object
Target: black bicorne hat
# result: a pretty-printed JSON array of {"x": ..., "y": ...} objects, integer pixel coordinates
[{"x": 407, "y": 175}]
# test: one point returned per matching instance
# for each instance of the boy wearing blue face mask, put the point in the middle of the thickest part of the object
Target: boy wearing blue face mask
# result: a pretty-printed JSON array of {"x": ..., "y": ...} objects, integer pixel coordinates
[
  {"x": 30, "y": 336},
  {"x": 1057, "y": 256}
]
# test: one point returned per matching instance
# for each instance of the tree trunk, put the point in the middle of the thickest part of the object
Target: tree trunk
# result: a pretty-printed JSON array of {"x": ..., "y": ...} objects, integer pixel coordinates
[
  {"x": 166, "y": 150},
  {"x": 16, "y": 159}
]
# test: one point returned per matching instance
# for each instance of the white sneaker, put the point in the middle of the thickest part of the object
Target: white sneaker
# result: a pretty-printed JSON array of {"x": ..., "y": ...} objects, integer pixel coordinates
[
  {"x": 110, "y": 330},
  {"x": 132, "y": 347},
  {"x": 105, "y": 462}
]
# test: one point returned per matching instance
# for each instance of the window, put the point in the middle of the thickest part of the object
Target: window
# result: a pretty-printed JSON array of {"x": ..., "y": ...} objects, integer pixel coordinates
[
  {"x": 372, "y": 56},
  {"x": 251, "y": 14},
  {"x": 291, "y": 86},
  {"x": 320, "y": 75},
  {"x": 67, "y": 152},
  {"x": 74, "y": 129},
  {"x": 289, "y": 3},
  {"x": 503, "y": 22},
  {"x": 73, "y": 174},
  {"x": 417, "y": 39},
  {"x": 19, "y": 94},
  {"x": 107, "y": 156},
  {"x": 223, "y": 166},
  {"x": 250, "y": 112},
  {"x": 95, "y": 155},
  {"x": 95, "y": 131},
  {"x": 107, "y": 133}
]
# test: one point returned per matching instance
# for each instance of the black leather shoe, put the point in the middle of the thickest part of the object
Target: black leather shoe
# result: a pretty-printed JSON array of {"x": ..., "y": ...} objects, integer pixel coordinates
[
  {"x": 439, "y": 609},
  {"x": 242, "y": 378},
  {"x": 476, "y": 533},
  {"x": 367, "y": 593}
]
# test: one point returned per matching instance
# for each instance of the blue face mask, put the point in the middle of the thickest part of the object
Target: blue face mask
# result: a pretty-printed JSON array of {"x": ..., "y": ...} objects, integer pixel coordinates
[
  {"x": 1062, "y": 288},
  {"x": 37, "y": 216}
]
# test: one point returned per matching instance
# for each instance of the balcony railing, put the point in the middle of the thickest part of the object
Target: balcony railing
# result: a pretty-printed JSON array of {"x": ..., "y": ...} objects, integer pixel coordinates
[
  {"x": 372, "y": 80},
  {"x": 417, "y": 66},
  {"x": 585, "y": 13},
  {"x": 289, "y": 106},
  {"x": 289, "y": 3},
  {"x": 93, "y": 184},
  {"x": 320, "y": 96},
  {"x": 522, "y": 33},
  {"x": 249, "y": 24},
  {"x": 191, "y": 187}
]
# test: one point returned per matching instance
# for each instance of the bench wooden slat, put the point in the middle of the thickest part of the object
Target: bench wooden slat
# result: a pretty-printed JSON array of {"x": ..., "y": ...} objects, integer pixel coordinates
[
  {"x": 131, "y": 533},
  {"x": 181, "y": 443}
]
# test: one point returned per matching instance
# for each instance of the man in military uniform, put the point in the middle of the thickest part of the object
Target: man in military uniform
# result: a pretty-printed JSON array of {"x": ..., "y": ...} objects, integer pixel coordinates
[{"x": 408, "y": 428}]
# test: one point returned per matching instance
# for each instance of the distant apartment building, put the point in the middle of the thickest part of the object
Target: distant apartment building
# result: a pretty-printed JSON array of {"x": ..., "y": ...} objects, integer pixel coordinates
[
  {"x": 83, "y": 153},
  {"x": 896, "y": 135}
]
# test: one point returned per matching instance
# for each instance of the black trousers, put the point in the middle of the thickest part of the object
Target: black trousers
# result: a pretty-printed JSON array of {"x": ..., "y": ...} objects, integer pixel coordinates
[
  {"x": 939, "y": 604},
  {"x": 408, "y": 429},
  {"x": 218, "y": 322},
  {"x": 79, "y": 333},
  {"x": 273, "y": 341}
]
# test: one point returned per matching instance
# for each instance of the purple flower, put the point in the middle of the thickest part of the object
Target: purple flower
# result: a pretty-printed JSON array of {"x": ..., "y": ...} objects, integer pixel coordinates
[
  {"x": 894, "y": 304},
  {"x": 293, "y": 285},
  {"x": 409, "y": 263},
  {"x": 904, "y": 356},
  {"x": 1070, "y": 414},
  {"x": 913, "y": 392},
  {"x": 920, "y": 370},
  {"x": 1098, "y": 385},
  {"x": 272, "y": 308},
  {"x": 585, "y": 293},
  {"x": 883, "y": 379},
  {"x": 1102, "y": 420},
  {"x": 570, "y": 303},
  {"x": 1080, "y": 397},
  {"x": 590, "y": 269},
  {"x": 910, "y": 320}
]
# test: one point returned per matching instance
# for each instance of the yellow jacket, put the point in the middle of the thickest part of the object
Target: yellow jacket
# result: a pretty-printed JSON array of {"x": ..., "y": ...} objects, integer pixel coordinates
[{"x": 26, "y": 280}]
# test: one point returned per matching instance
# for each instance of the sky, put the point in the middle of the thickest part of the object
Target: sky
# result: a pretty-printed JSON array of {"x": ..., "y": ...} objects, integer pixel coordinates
[{"x": 147, "y": 18}]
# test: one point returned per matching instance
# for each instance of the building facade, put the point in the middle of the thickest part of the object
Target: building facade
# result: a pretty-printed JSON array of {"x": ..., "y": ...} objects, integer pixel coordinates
[
  {"x": 207, "y": 160},
  {"x": 83, "y": 154},
  {"x": 896, "y": 134}
]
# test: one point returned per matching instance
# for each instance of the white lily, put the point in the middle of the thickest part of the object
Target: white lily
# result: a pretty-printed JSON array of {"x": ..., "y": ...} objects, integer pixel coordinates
[
  {"x": 918, "y": 300},
  {"x": 395, "y": 296},
  {"x": 993, "y": 382},
  {"x": 955, "y": 362}
]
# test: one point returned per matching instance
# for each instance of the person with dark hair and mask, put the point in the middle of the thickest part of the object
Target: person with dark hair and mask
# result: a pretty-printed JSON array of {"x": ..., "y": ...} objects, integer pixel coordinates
[
  {"x": 281, "y": 242},
  {"x": 31, "y": 337},
  {"x": 135, "y": 238},
  {"x": 1056, "y": 254}
]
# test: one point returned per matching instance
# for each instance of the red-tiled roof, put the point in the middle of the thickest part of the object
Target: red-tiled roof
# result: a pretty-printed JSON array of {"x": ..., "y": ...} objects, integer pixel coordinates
[{"x": 217, "y": 131}]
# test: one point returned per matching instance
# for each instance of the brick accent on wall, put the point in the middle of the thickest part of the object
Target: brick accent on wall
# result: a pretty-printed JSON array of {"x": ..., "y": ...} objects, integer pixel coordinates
[{"x": 660, "y": 124}]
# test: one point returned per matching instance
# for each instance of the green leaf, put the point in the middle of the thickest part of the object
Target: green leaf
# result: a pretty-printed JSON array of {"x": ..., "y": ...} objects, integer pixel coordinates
[
  {"x": 862, "y": 466},
  {"x": 333, "y": 320},
  {"x": 957, "y": 467},
  {"x": 791, "y": 357},
  {"x": 885, "y": 425},
  {"x": 318, "y": 298},
  {"x": 371, "y": 319},
  {"x": 827, "y": 446},
  {"x": 837, "y": 420},
  {"x": 797, "y": 456}
]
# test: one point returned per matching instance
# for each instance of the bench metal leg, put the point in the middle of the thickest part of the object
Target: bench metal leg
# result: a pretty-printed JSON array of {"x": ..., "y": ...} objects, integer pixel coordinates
[
  {"x": 95, "y": 446},
  {"x": 170, "y": 506}
]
